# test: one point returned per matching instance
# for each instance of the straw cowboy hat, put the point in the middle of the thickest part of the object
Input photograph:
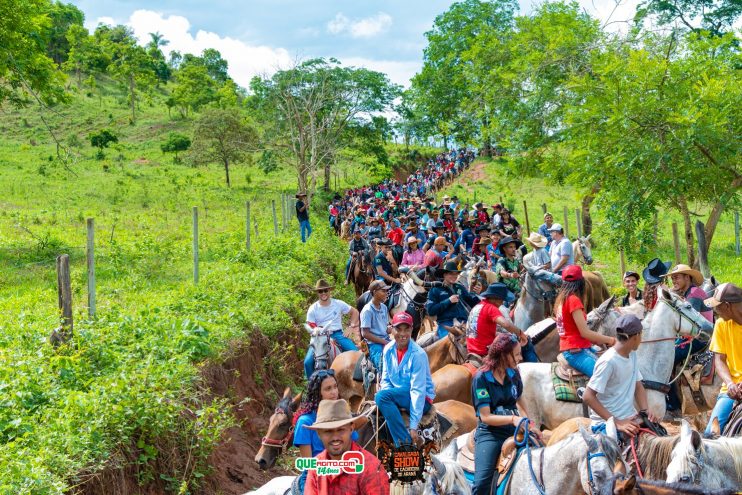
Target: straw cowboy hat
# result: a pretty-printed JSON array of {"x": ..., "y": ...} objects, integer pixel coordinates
[
  {"x": 333, "y": 414},
  {"x": 322, "y": 285},
  {"x": 537, "y": 240},
  {"x": 695, "y": 275}
]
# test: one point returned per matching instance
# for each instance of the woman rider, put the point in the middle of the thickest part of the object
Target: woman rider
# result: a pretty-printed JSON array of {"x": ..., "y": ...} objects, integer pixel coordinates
[
  {"x": 575, "y": 338},
  {"x": 322, "y": 385},
  {"x": 496, "y": 390},
  {"x": 414, "y": 256}
]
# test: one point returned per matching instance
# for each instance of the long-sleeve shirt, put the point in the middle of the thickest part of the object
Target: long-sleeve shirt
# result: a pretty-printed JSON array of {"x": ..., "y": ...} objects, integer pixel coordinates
[
  {"x": 373, "y": 480},
  {"x": 413, "y": 258},
  {"x": 358, "y": 245},
  {"x": 412, "y": 372},
  {"x": 439, "y": 303}
]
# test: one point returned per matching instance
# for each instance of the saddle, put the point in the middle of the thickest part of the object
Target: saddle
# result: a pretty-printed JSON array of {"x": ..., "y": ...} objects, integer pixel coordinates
[
  {"x": 566, "y": 381},
  {"x": 434, "y": 428},
  {"x": 699, "y": 371},
  {"x": 733, "y": 427},
  {"x": 365, "y": 371}
]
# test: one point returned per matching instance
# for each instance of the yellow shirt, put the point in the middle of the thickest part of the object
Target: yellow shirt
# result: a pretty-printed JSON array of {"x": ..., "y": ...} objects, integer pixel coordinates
[{"x": 727, "y": 339}]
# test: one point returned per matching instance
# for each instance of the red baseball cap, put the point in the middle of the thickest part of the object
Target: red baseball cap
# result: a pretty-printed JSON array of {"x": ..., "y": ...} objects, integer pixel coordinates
[
  {"x": 402, "y": 319},
  {"x": 572, "y": 273}
]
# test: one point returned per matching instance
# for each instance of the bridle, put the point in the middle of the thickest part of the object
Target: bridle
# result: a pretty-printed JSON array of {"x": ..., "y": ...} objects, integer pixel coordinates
[
  {"x": 545, "y": 296},
  {"x": 458, "y": 354},
  {"x": 286, "y": 439},
  {"x": 590, "y": 480}
]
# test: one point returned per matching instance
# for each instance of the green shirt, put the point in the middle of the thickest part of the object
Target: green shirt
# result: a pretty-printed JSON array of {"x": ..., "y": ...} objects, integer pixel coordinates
[{"x": 509, "y": 266}]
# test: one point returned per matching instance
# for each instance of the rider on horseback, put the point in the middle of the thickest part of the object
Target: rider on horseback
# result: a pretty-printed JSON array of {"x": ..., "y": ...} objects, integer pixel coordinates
[
  {"x": 406, "y": 382},
  {"x": 374, "y": 321},
  {"x": 382, "y": 264},
  {"x": 508, "y": 267},
  {"x": 359, "y": 247},
  {"x": 450, "y": 301},
  {"x": 328, "y": 313}
]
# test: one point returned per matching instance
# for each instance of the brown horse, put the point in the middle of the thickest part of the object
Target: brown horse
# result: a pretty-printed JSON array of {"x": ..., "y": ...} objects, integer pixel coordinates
[
  {"x": 452, "y": 382},
  {"x": 633, "y": 486},
  {"x": 360, "y": 272},
  {"x": 280, "y": 430}
]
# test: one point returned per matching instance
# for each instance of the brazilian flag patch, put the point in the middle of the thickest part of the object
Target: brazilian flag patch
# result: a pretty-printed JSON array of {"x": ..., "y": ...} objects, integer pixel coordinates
[{"x": 482, "y": 393}]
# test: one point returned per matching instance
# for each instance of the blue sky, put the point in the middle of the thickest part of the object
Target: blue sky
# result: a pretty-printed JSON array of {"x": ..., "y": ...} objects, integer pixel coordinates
[{"x": 261, "y": 36}]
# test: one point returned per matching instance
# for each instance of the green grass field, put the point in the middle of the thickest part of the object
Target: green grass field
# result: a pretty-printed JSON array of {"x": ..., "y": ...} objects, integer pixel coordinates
[{"x": 491, "y": 181}]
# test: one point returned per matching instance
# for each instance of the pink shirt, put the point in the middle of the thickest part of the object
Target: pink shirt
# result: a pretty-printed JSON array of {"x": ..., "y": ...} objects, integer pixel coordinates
[{"x": 414, "y": 258}]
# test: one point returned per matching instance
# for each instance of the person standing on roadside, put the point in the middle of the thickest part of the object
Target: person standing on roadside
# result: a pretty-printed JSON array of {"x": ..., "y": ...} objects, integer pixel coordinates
[{"x": 302, "y": 215}]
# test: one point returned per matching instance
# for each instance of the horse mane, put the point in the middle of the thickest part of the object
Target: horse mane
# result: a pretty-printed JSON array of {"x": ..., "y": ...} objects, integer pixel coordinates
[
  {"x": 731, "y": 446},
  {"x": 453, "y": 477},
  {"x": 679, "y": 488},
  {"x": 655, "y": 454}
]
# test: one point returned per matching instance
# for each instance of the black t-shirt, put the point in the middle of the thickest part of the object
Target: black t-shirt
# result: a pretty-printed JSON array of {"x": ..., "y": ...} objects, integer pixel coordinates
[
  {"x": 509, "y": 228},
  {"x": 501, "y": 398},
  {"x": 301, "y": 215}
]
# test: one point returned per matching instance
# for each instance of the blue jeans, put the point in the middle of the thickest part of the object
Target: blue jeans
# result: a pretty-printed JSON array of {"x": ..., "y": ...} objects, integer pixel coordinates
[
  {"x": 306, "y": 230},
  {"x": 302, "y": 481},
  {"x": 341, "y": 340},
  {"x": 681, "y": 352},
  {"x": 583, "y": 361},
  {"x": 721, "y": 411},
  {"x": 487, "y": 447},
  {"x": 390, "y": 401},
  {"x": 374, "y": 353}
]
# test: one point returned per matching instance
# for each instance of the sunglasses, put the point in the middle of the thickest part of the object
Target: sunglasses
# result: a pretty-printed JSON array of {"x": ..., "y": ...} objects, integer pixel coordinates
[
  {"x": 325, "y": 373},
  {"x": 323, "y": 291}
]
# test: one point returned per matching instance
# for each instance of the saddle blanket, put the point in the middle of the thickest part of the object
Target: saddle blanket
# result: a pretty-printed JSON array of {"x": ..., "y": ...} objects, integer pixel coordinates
[{"x": 566, "y": 390}]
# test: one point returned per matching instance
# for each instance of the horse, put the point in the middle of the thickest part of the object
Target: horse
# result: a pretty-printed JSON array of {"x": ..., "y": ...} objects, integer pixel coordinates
[
  {"x": 620, "y": 485},
  {"x": 712, "y": 464},
  {"x": 280, "y": 430},
  {"x": 360, "y": 272},
  {"x": 445, "y": 477},
  {"x": 593, "y": 456},
  {"x": 325, "y": 350},
  {"x": 670, "y": 318},
  {"x": 582, "y": 250},
  {"x": 277, "y": 486}
]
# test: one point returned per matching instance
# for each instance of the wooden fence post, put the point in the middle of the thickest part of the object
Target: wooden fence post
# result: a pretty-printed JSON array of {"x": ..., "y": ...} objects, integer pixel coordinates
[
  {"x": 566, "y": 221},
  {"x": 275, "y": 219},
  {"x": 247, "y": 226},
  {"x": 736, "y": 233},
  {"x": 90, "y": 256},
  {"x": 623, "y": 263},
  {"x": 525, "y": 212},
  {"x": 64, "y": 296},
  {"x": 543, "y": 208},
  {"x": 256, "y": 228},
  {"x": 578, "y": 222},
  {"x": 703, "y": 263},
  {"x": 195, "y": 244},
  {"x": 676, "y": 242},
  {"x": 283, "y": 212}
]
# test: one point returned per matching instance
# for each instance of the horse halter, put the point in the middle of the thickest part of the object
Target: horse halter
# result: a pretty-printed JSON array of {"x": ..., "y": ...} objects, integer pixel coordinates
[
  {"x": 590, "y": 481},
  {"x": 282, "y": 442}
]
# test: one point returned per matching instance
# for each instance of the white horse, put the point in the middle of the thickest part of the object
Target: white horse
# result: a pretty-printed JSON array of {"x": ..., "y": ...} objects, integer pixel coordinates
[
  {"x": 582, "y": 250},
  {"x": 670, "y": 318},
  {"x": 446, "y": 477},
  {"x": 712, "y": 464},
  {"x": 592, "y": 456},
  {"x": 276, "y": 486},
  {"x": 325, "y": 349}
]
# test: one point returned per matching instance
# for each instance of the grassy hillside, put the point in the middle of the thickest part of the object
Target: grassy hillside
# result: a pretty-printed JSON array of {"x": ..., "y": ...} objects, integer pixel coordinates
[
  {"x": 490, "y": 180},
  {"x": 128, "y": 378}
]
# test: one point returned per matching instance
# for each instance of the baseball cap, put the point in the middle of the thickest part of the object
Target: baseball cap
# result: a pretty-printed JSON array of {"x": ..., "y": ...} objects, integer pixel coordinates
[
  {"x": 556, "y": 226},
  {"x": 572, "y": 273},
  {"x": 628, "y": 325},
  {"x": 377, "y": 285},
  {"x": 402, "y": 319},
  {"x": 725, "y": 293}
]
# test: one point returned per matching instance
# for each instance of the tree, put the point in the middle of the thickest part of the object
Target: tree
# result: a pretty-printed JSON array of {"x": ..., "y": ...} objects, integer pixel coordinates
[
  {"x": 101, "y": 140},
  {"x": 130, "y": 64},
  {"x": 63, "y": 17},
  {"x": 175, "y": 143},
  {"x": 160, "y": 65},
  {"x": 715, "y": 16},
  {"x": 222, "y": 136},
  {"x": 215, "y": 65},
  {"x": 25, "y": 68},
  {"x": 304, "y": 110},
  {"x": 193, "y": 89},
  {"x": 78, "y": 40}
]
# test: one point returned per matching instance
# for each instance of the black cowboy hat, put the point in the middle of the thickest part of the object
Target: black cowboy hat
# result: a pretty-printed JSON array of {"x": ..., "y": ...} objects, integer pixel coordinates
[
  {"x": 450, "y": 266},
  {"x": 505, "y": 241},
  {"x": 655, "y": 271},
  {"x": 439, "y": 225},
  {"x": 481, "y": 227}
]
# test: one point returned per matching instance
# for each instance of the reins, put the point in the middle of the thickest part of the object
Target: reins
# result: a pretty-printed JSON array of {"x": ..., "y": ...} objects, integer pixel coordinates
[
  {"x": 633, "y": 443},
  {"x": 280, "y": 443}
]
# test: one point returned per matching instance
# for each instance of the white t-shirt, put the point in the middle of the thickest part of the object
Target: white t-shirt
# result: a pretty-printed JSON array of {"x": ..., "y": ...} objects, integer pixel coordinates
[
  {"x": 614, "y": 380},
  {"x": 559, "y": 249},
  {"x": 330, "y": 316}
]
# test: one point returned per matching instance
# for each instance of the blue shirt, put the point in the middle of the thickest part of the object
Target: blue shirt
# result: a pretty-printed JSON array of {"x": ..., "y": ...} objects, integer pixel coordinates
[
  {"x": 543, "y": 230},
  {"x": 466, "y": 238},
  {"x": 376, "y": 320},
  {"x": 412, "y": 373},
  {"x": 439, "y": 304},
  {"x": 305, "y": 436}
]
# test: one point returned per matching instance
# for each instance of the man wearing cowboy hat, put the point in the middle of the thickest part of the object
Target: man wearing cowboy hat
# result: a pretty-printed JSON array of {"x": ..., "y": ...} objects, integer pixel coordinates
[
  {"x": 406, "y": 382},
  {"x": 382, "y": 265},
  {"x": 538, "y": 262},
  {"x": 451, "y": 301},
  {"x": 358, "y": 246},
  {"x": 328, "y": 313},
  {"x": 508, "y": 267},
  {"x": 686, "y": 284},
  {"x": 374, "y": 231},
  {"x": 302, "y": 215},
  {"x": 334, "y": 426},
  {"x": 466, "y": 237},
  {"x": 412, "y": 231},
  {"x": 726, "y": 344}
]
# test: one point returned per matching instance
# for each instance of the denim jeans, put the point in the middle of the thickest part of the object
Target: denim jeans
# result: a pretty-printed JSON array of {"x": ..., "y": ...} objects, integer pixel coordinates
[
  {"x": 302, "y": 481},
  {"x": 306, "y": 230},
  {"x": 721, "y": 411},
  {"x": 341, "y": 340},
  {"x": 583, "y": 361},
  {"x": 374, "y": 352},
  {"x": 390, "y": 401},
  {"x": 487, "y": 447}
]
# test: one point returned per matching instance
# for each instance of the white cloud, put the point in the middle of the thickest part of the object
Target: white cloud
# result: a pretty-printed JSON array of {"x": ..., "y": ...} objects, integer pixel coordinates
[
  {"x": 399, "y": 72},
  {"x": 360, "y": 28},
  {"x": 245, "y": 61}
]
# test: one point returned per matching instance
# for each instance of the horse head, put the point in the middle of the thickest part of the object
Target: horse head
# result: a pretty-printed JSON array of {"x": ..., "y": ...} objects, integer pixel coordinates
[
  {"x": 687, "y": 460},
  {"x": 586, "y": 249},
  {"x": 322, "y": 345},
  {"x": 598, "y": 317},
  {"x": 446, "y": 476},
  {"x": 709, "y": 286},
  {"x": 601, "y": 456},
  {"x": 280, "y": 430},
  {"x": 692, "y": 323}
]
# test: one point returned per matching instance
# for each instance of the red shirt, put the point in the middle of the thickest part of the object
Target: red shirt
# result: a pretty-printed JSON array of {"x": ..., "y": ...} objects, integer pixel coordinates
[
  {"x": 432, "y": 258},
  {"x": 396, "y": 235},
  {"x": 483, "y": 327},
  {"x": 372, "y": 481},
  {"x": 400, "y": 354},
  {"x": 569, "y": 334}
]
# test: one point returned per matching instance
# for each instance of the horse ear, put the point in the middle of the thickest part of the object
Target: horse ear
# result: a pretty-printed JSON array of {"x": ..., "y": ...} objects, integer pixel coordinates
[
  {"x": 715, "y": 429},
  {"x": 589, "y": 236},
  {"x": 296, "y": 401},
  {"x": 612, "y": 301},
  {"x": 695, "y": 440},
  {"x": 630, "y": 483},
  {"x": 438, "y": 466},
  {"x": 665, "y": 294},
  {"x": 685, "y": 430},
  {"x": 592, "y": 444},
  {"x": 286, "y": 392}
]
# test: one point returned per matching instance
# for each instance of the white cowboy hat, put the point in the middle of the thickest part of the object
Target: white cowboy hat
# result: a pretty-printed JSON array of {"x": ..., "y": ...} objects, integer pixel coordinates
[
  {"x": 695, "y": 275},
  {"x": 537, "y": 240}
]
